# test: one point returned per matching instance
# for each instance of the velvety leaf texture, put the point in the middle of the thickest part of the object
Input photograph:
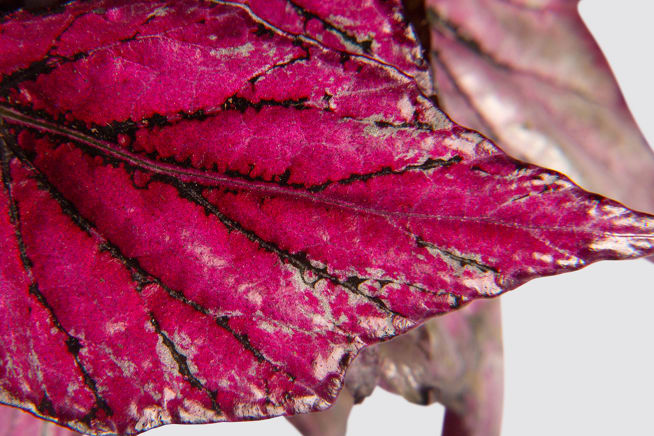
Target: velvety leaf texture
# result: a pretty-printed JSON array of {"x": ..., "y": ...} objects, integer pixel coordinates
[{"x": 205, "y": 214}]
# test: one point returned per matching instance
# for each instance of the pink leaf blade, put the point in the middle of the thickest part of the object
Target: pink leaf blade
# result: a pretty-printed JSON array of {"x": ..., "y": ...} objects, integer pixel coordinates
[
  {"x": 375, "y": 29},
  {"x": 178, "y": 223},
  {"x": 455, "y": 359},
  {"x": 464, "y": 104},
  {"x": 360, "y": 380}
]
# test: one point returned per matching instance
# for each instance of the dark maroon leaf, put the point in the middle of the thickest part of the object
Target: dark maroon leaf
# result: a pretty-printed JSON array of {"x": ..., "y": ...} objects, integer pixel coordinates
[{"x": 205, "y": 216}]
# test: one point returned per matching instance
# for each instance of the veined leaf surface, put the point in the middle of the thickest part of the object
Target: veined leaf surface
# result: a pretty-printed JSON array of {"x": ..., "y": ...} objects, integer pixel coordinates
[{"x": 205, "y": 216}]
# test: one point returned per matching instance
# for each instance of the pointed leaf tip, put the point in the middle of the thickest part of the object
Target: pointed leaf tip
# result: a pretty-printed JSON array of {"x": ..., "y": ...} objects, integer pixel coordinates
[{"x": 202, "y": 224}]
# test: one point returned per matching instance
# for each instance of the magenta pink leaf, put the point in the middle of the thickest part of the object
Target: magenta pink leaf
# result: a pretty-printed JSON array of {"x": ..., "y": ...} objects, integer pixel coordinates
[
  {"x": 375, "y": 29},
  {"x": 205, "y": 216},
  {"x": 330, "y": 422},
  {"x": 455, "y": 360}
]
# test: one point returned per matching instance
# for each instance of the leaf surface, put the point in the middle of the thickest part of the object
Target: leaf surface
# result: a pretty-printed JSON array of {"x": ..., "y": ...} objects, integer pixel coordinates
[
  {"x": 530, "y": 76},
  {"x": 205, "y": 216},
  {"x": 455, "y": 359},
  {"x": 376, "y": 29}
]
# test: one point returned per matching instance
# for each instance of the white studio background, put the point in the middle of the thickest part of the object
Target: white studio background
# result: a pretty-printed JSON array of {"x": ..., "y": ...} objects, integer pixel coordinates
[{"x": 579, "y": 347}]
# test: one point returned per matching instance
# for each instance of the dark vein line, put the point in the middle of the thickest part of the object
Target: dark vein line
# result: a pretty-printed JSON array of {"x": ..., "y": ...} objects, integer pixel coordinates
[
  {"x": 73, "y": 345},
  {"x": 415, "y": 14},
  {"x": 110, "y": 132},
  {"x": 362, "y": 57},
  {"x": 417, "y": 125},
  {"x": 307, "y": 15},
  {"x": 438, "y": 21},
  {"x": 50, "y": 62},
  {"x": 139, "y": 274},
  {"x": 109, "y": 153},
  {"x": 241, "y": 104},
  {"x": 65, "y": 29},
  {"x": 281, "y": 65},
  {"x": 144, "y": 278},
  {"x": 182, "y": 364},
  {"x": 351, "y": 283},
  {"x": 45, "y": 406},
  {"x": 297, "y": 260},
  {"x": 282, "y": 180},
  {"x": 168, "y": 167},
  {"x": 463, "y": 261},
  {"x": 34, "y": 70},
  {"x": 428, "y": 164}
]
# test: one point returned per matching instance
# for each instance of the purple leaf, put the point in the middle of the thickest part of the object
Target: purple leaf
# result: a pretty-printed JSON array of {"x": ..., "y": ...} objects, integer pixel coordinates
[
  {"x": 15, "y": 422},
  {"x": 532, "y": 78},
  {"x": 330, "y": 422},
  {"x": 455, "y": 360},
  {"x": 205, "y": 217}
]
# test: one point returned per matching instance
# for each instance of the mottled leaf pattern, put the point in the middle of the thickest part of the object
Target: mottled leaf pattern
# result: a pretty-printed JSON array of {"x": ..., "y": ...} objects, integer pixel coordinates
[
  {"x": 373, "y": 28},
  {"x": 455, "y": 359},
  {"x": 538, "y": 53},
  {"x": 205, "y": 216}
]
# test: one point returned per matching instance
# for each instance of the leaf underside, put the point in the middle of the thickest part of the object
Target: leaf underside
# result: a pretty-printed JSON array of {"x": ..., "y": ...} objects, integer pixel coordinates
[
  {"x": 532, "y": 78},
  {"x": 15, "y": 422},
  {"x": 204, "y": 216}
]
